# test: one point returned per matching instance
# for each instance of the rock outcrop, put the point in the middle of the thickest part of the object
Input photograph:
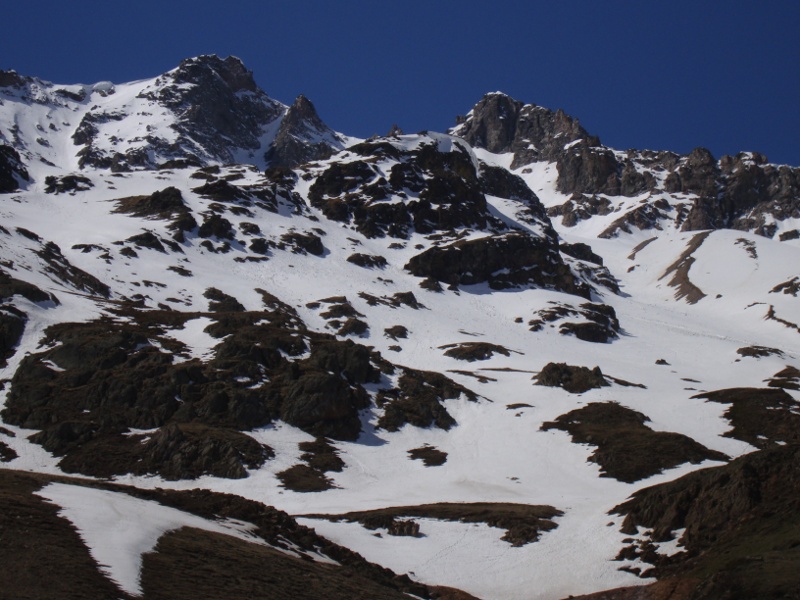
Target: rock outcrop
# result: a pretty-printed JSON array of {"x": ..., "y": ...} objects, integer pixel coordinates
[{"x": 12, "y": 171}]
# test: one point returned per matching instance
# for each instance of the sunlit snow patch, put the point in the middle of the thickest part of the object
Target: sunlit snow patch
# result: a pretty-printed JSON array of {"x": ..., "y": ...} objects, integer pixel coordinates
[{"x": 119, "y": 528}]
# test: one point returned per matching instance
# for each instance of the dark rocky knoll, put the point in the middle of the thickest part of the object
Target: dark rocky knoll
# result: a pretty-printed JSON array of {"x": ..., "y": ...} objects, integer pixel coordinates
[
  {"x": 626, "y": 448},
  {"x": 742, "y": 531},
  {"x": 187, "y": 563}
]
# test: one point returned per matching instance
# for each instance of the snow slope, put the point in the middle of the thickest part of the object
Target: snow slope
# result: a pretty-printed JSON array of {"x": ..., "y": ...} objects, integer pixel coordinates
[{"x": 497, "y": 452}]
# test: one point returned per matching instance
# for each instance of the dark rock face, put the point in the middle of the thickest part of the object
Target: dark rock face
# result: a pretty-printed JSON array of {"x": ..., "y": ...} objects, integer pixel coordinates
[
  {"x": 368, "y": 261},
  {"x": 501, "y": 124},
  {"x": 761, "y": 417},
  {"x": 12, "y": 326},
  {"x": 324, "y": 405},
  {"x": 524, "y": 523},
  {"x": 302, "y": 137},
  {"x": 492, "y": 123},
  {"x": 10, "y": 286},
  {"x": 58, "y": 267},
  {"x": 645, "y": 216},
  {"x": 176, "y": 451},
  {"x": 441, "y": 190},
  {"x": 188, "y": 563},
  {"x": 219, "y": 301},
  {"x": 67, "y": 184},
  {"x": 601, "y": 328},
  {"x": 741, "y": 192},
  {"x": 12, "y": 79},
  {"x": 320, "y": 457},
  {"x": 418, "y": 401},
  {"x": 741, "y": 521},
  {"x": 110, "y": 377},
  {"x": 503, "y": 261},
  {"x": 12, "y": 171},
  {"x": 216, "y": 226},
  {"x": 588, "y": 170},
  {"x": 570, "y": 378},
  {"x": 627, "y": 449},
  {"x": 601, "y": 323},
  {"x": 532, "y": 133},
  {"x": 472, "y": 351},
  {"x": 581, "y": 252},
  {"x": 304, "y": 243},
  {"x": 167, "y": 204},
  {"x": 220, "y": 114},
  {"x": 215, "y": 107},
  {"x": 579, "y": 208},
  {"x": 322, "y": 394}
]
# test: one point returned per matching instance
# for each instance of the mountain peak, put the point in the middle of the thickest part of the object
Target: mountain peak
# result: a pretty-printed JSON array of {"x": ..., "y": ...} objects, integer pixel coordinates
[
  {"x": 11, "y": 79},
  {"x": 500, "y": 124},
  {"x": 230, "y": 69},
  {"x": 302, "y": 136}
]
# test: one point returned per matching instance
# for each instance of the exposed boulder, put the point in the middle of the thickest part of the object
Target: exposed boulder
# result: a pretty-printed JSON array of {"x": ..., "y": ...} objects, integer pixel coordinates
[
  {"x": 163, "y": 204},
  {"x": 67, "y": 184},
  {"x": 216, "y": 226},
  {"x": 368, "y": 261},
  {"x": 600, "y": 326},
  {"x": 396, "y": 332},
  {"x": 581, "y": 252},
  {"x": 304, "y": 243},
  {"x": 472, "y": 351},
  {"x": 320, "y": 458},
  {"x": 626, "y": 449},
  {"x": 219, "y": 301},
  {"x": 430, "y": 456},
  {"x": 575, "y": 380},
  {"x": 417, "y": 400},
  {"x": 502, "y": 261}
]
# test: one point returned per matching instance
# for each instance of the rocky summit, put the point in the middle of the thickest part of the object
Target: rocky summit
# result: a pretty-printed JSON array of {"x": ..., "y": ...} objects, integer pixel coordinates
[{"x": 244, "y": 355}]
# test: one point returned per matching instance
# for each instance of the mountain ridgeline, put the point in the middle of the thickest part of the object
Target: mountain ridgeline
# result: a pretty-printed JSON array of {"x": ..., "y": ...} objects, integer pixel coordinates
[{"x": 381, "y": 364}]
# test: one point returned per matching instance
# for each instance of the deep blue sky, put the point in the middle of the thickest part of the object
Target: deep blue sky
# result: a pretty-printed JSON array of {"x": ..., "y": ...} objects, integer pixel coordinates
[{"x": 664, "y": 75}]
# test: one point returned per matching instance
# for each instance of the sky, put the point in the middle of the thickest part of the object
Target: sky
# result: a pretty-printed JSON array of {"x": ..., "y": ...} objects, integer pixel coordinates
[{"x": 659, "y": 75}]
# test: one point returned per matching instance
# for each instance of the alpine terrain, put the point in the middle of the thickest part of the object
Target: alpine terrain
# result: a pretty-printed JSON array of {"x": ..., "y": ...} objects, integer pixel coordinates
[{"x": 247, "y": 356}]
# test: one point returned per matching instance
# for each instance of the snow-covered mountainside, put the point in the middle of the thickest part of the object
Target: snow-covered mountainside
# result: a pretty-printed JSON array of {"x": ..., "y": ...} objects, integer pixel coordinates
[{"x": 505, "y": 360}]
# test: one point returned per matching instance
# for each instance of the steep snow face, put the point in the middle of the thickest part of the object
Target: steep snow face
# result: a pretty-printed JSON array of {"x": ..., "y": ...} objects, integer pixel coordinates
[{"x": 413, "y": 286}]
